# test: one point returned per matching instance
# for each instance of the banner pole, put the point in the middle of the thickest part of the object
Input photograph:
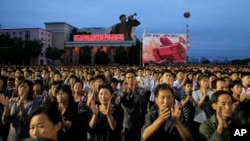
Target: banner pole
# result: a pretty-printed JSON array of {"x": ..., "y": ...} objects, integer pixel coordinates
[{"x": 140, "y": 63}]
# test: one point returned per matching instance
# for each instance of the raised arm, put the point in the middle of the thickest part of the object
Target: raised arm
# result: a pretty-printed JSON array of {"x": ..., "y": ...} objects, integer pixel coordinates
[
  {"x": 6, "y": 112},
  {"x": 184, "y": 133}
]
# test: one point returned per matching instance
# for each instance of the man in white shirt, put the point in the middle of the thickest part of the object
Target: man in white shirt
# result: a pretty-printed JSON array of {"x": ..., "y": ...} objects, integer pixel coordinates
[{"x": 178, "y": 84}]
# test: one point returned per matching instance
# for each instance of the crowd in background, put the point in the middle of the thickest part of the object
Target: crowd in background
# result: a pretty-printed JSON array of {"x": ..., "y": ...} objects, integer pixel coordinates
[{"x": 112, "y": 103}]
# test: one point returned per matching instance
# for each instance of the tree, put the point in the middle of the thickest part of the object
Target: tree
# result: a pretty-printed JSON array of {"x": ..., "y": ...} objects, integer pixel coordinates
[
  {"x": 16, "y": 52},
  {"x": 204, "y": 60},
  {"x": 11, "y": 49},
  {"x": 5, "y": 44},
  {"x": 73, "y": 32},
  {"x": 33, "y": 48},
  {"x": 101, "y": 58},
  {"x": 54, "y": 53},
  {"x": 134, "y": 54},
  {"x": 241, "y": 61},
  {"x": 85, "y": 56},
  {"x": 121, "y": 56}
]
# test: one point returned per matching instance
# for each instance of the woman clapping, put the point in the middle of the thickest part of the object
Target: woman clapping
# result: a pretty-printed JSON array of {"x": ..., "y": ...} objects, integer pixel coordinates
[
  {"x": 17, "y": 111},
  {"x": 106, "y": 119}
]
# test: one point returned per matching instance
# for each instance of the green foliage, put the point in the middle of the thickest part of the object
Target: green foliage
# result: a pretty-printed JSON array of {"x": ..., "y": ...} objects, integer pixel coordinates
[
  {"x": 85, "y": 56},
  {"x": 73, "y": 32},
  {"x": 205, "y": 61},
  {"x": 54, "y": 53},
  {"x": 121, "y": 56},
  {"x": 101, "y": 58},
  {"x": 240, "y": 61},
  {"x": 17, "y": 51},
  {"x": 32, "y": 49},
  {"x": 134, "y": 54}
]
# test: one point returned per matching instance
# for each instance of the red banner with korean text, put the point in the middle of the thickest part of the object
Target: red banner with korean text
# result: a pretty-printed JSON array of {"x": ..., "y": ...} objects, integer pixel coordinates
[{"x": 99, "y": 37}]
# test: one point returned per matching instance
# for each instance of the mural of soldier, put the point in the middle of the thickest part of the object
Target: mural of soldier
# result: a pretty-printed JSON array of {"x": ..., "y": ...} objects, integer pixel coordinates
[{"x": 127, "y": 26}]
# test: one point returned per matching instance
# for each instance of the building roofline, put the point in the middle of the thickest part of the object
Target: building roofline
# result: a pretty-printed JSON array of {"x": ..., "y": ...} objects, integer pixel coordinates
[
  {"x": 23, "y": 28},
  {"x": 20, "y": 28},
  {"x": 55, "y": 23}
]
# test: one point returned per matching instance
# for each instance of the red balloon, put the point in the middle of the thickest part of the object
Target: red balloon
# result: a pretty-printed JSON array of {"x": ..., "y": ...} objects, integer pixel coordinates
[{"x": 187, "y": 14}]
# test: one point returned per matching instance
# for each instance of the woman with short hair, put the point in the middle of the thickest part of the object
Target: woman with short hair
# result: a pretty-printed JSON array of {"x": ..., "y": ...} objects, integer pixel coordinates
[
  {"x": 105, "y": 119},
  {"x": 45, "y": 122}
]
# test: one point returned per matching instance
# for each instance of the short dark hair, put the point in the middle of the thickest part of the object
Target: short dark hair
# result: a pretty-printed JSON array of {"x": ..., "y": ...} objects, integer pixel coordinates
[
  {"x": 105, "y": 86},
  {"x": 73, "y": 77},
  {"x": 121, "y": 16},
  {"x": 51, "y": 111},
  {"x": 243, "y": 74},
  {"x": 233, "y": 83},
  {"x": 30, "y": 85},
  {"x": 113, "y": 80},
  {"x": 201, "y": 77},
  {"x": 163, "y": 87},
  {"x": 56, "y": 83},
  {"x": 188, "y": 82},
  {"x": 166, "y": 71},
  {"x": 130, "y": 71},
  {"x": 58, "y": 73},
  {"x": 39, "y": 82},
  {"x": 91, "y": 79},
  {"x": 20, "y": 78},
  {"x": 140, "y": 68},
  {"x": 65, "y": 88},
  {"x": 79, "y": 81},
  {"x": 178, "y": 71},
  {"x": 217, "y": 94},
  {"x": 211, "y": 75},
  {"x": 214, "y": 82},
  {"x": 100, "y": 76}
]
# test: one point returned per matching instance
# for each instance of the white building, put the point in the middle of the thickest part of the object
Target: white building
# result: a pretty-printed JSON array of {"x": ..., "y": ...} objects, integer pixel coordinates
[
  {"x": 33, "y": 34},
  {"x": 60, "y": 33}
]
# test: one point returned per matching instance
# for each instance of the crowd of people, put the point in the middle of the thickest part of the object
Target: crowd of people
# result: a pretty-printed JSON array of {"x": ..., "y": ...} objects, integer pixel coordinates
[{"x": 122, "y": 103}]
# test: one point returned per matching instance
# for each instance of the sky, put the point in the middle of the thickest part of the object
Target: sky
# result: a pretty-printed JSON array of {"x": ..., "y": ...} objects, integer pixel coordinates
[{"x": 218, "y": 28}]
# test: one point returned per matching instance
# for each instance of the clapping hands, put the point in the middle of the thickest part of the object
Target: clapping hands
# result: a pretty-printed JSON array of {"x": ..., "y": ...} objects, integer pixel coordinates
[
  {"x": 94, "y": 107},
  {"x": 164, "y": 113},
  {"x": 174, "y": 112},
  {"x": 109, "y": 109},
  {"x": 4, "y": 100}
]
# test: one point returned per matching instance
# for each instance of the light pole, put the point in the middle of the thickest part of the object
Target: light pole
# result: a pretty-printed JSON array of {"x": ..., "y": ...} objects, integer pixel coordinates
[
  {"x": 140, "y": 60},
  {"x": 141, "y": 48},
  {"x": 187, "y": 15}
]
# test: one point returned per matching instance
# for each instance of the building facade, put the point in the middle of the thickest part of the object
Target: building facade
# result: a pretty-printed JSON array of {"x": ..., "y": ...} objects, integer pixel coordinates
[
  {"x": 60, "y": 33},
  {"x": 57, "y": 35}
]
